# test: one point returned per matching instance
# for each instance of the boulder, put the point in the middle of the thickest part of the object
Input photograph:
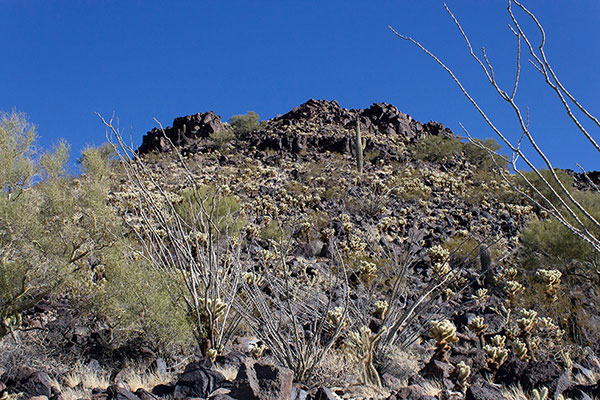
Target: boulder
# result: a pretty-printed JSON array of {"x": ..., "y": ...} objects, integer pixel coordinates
[
  {"x": 484, "y": 391},
  {"x": 198, "y": 381},
  {"x": 258, "y": 381}
]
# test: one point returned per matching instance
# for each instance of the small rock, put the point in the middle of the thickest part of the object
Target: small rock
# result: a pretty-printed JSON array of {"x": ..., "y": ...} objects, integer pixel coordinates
[{"x": 325, "y": 394}]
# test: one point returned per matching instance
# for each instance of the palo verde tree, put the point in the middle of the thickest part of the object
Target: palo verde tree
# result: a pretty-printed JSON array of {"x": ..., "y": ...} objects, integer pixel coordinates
[{"x": 51, "y": 224}]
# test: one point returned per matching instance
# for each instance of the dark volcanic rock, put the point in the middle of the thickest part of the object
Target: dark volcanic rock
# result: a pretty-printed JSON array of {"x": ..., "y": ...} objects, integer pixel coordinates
[
  {"x": 36, "y": 384},
  {"x": 256, "y": 381},
  {"x": 184, "y": 132},
  {"x": 198, "y": 381},
  {"x": 115, "y": 392},
  {"x": 484, "y": 391}
]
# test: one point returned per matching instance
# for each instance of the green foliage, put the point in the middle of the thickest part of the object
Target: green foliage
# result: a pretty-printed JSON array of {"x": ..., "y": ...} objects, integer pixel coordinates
[
  {"x": 548, "y": 236},
  {"x": 222, "y": 137},
  {"x": 442, "y": 149},
  {"x": 17, "y": 151},
  {"x": 139, "y": 301},
  {"x": 438, "y": 148},
  {"x": 481, "y": 158},
  {"x": 244, "y": 123},
  {"x": 50, "y": 224},
  {"x": 222, "y": 210}
]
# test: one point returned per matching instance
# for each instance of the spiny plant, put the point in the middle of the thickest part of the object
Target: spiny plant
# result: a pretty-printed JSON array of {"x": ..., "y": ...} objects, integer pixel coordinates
[
  {"x": 444, "y": 333},
  {"x": 359, "y": 145},
  {"x": 463, "y": 371},
  {"x": 364, "y": 343},
  {"x": 479, "y": 327}
]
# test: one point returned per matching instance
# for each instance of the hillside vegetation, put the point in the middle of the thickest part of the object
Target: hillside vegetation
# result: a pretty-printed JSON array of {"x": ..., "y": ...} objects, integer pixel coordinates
[{"x": 217, "y": 248}]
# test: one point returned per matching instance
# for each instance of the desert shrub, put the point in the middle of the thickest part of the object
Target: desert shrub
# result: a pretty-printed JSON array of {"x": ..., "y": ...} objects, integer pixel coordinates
[
  {"x": 222, "y": 137},
  {"x": 438, "y": 148},
  {"x": 140, "y": 302},
  {"x": 244, "y": 123},
  {"x": 222, "y": 207},
  {"x": 442, "y": 149},
  {"x": 51, "y": 224},
  {"x": 480, "y": 157}
]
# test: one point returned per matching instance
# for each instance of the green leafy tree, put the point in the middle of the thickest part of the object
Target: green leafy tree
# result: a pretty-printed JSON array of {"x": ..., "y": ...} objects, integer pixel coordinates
[{"x": 51, "y": 225}]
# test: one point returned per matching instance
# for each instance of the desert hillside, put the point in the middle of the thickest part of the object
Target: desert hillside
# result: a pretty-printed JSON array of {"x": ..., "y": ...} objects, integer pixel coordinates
[{"x": 325, "y": 253}]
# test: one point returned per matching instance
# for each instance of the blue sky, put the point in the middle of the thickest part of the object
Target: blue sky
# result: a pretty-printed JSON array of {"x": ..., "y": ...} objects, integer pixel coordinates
[{"x": 64, "y": 60}]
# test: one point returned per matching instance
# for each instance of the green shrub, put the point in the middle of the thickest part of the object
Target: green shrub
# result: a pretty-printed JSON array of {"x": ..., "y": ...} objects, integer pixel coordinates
[
  {"x": 222, "y": 137},
  {"x": 442, "y": 149},
  {"x": 244, "y": 123},
  {"x": 223, "y": 209}
]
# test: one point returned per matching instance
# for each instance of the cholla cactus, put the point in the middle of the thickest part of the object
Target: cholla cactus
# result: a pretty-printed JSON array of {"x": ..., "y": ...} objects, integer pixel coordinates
[
  {"x": 212, "y": 354},
  {"x": 521, "y": 350},
  {"x": 444, "y": 333},
  {"x": 499, "y": 341},
  {"x": 550, "y": 278},
  {"x": 513, "y": 290},
  {"x": 367, "y": 271},
  {"x": 496, "y": 356},
  {"x": 527, "y": 321},
  {"x": 510, "y": 274},
  {"x": 257, "y": 350},
  {"x": 381, "y": 307},
  {"x": 441, "y": 269},
  {"x": 336, "y": 318},
  {"x": 364, "y": 342},
  {"x": 253, "y": 279},
  {"x": 547, "y": 326},
  {"x": 478, "y": 326},
  {"x": 212, "y": 308},
  {"x": 439, "y": 260},
  {"x": 463, "y": 371},
  {"x": 480, "y": 295}
]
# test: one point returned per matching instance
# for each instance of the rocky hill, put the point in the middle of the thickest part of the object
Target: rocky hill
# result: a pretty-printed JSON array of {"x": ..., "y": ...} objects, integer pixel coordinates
[{"x": 423, "y": 276}]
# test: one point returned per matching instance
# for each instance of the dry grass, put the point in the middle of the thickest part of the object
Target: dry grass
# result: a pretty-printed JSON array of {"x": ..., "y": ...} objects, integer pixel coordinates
[
  {"x": 514, "y": 393},
  {"x": 79, "y": 382},
  {"x": 432, "y": 388},
  {"x": 228, "y": 372}
]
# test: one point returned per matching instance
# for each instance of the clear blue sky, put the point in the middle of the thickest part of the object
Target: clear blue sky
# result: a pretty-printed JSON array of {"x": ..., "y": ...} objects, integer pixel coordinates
[{"x": 64, "y": 60}]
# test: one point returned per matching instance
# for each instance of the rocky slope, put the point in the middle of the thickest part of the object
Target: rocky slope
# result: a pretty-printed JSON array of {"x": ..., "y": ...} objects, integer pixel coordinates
[{"x": 423, "y": 193}]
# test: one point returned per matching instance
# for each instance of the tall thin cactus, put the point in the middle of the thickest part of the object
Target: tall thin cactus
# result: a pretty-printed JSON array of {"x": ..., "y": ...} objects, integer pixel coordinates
[{"x": 359, "y": 145}]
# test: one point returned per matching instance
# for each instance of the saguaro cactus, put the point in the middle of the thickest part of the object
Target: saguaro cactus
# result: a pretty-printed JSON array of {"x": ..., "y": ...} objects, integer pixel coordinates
[{"x": 359, "y": 145}]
